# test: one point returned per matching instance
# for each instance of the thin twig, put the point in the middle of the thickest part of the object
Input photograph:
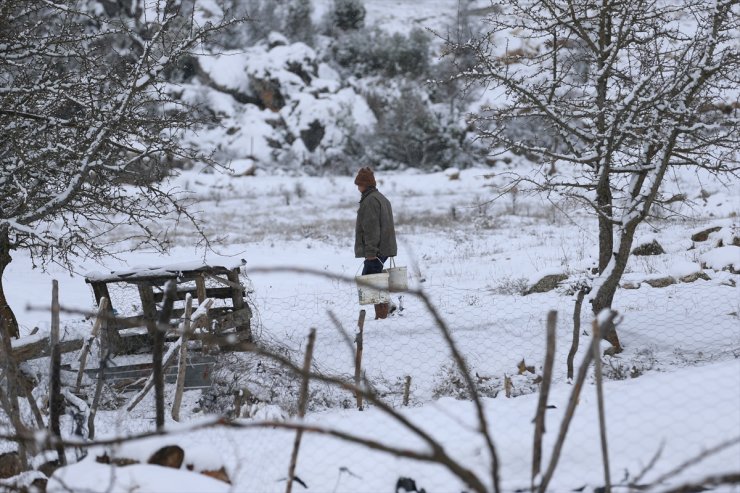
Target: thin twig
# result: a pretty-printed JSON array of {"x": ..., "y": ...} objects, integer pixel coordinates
[
  {"x": 706, "y": 483},
  {"x": 696, "y": 460},
  {"x": 567, "y": 418}
]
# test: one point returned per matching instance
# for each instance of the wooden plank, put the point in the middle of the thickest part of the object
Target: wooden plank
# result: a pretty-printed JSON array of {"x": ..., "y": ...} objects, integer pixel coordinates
[
  {"x": 182, "y": 363},
  {"x": 232, "y": 281},
  {"x": 219, "y": 293},
  {"x": 40, "y": 349},
  {"x": 100, "y": 290},
  {"x": 237, "y": 295},
  {"x": 198, "y": 373},
  {"x": 160, "y": 277},
  {"x": 56, "y": 401},
  {"x": 146, "y": 293},
  {"x": 200, "y": 288},
  {"x": 102, "y": 308},
  {"x": 110, "y": 338}
]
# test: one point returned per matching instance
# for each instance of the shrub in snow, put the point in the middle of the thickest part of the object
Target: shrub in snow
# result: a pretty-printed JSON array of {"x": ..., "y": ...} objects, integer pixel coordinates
[
  {"x": 410, "y": 133},
  {"x": 266, "y": 16},
  {"x": 661, "y": 282},
  {"x": 298, "y": 23},
  {"x": 631, "y": 366},
  {"x": 703, "y": 235},
  {"x": 546, "y": 283},
  {"x": 265, "y": 387},
  {"x": 511, "y": 286},
  {"x": 347, "y": 15},
  {"x": 449, "y": 382},
  {"x": 652, "y": 248},
  {"x": 376, "y": 52}
]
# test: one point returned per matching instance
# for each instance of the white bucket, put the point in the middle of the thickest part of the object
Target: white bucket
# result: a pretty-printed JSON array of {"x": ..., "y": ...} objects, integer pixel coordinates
[
  {"x": 373, "y": 288},
  {"x": 397, "y": 279}
]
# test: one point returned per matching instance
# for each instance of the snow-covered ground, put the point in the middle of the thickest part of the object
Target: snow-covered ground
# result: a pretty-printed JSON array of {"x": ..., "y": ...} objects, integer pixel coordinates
[
  {"x": 674, "y": 391},
  {"x": 677, "y": 384}
]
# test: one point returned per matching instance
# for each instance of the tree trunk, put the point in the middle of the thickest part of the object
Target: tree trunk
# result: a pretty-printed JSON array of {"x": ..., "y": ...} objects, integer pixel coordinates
[
  {"x": 603, "y": 148},
  {"x": 8, "y": 322},
  {"x": 606, "y": 238},
  {"x": 605, "y": 293}
]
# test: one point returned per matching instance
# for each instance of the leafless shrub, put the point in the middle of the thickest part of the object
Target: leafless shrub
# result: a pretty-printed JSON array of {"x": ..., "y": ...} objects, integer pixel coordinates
[{"x": 508, "y": 285}]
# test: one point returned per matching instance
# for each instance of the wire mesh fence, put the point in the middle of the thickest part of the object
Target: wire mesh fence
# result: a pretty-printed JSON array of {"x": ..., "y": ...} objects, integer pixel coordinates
[
  {"x": 671, "y": 336},
  {"x": 672, "y": 395}
]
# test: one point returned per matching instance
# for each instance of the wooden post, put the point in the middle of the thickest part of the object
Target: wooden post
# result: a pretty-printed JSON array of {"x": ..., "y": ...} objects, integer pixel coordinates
[
  {"x": 302, "y": 402},
  {"x": 539, "y": 420},
  {"x": 100, "y": 290},
  {"x": 9, "y": 402},
  {"x": 104, "y": 348},
  {"x": 595, "y": 347},
  {"x": 180, "y": 386},
  {"x": 150, "y": 314},
  {"x": 200, "y": 287},
  {"x": 28, "y": 390},
  {"x": 238, "y": 398},
  {"x": 102, "y": 308},
  {"x": 157, "y": 326},
  {"x": 576, "y": 331},
  {"x": 174, "y": 350},
  {"x": 56, "y": 401},
  {"x": 358, "y": 357},
  {"x": 568, "y": 416},
  {"x": 170, "y": 293},
  {"x": 406, "y": 390},
  {"x": 237, "y": 293},
  {"x": 237, "y": 298}
]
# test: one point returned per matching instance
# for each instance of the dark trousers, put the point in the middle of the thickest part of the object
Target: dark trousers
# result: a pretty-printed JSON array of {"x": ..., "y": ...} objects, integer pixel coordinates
[{"x": 374, "y": 266}]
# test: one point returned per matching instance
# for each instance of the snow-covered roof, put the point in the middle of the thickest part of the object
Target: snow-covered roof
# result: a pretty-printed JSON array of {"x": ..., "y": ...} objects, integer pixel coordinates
[{"x": 181, "y": 269}]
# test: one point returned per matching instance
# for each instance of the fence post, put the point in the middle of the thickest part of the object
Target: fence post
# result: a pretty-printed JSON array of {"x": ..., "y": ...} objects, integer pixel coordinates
[
  {"x": 180, "y": 386},
  {"x": 302, "y": 402},
  {"x": 56, "y": 401},
  {"x": 104, "y": 353},
  {"x": 576, "y": 331},
  {"x": 102, "y": 307},
  {"x": 358, "y": 358},
  {"x": 595, "y": 347},
  {"x": 406, "y": 390},
  {"x": 539, "y": 420}
]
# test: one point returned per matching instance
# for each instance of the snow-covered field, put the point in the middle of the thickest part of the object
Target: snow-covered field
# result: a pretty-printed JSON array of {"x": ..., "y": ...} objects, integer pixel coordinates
[
  {"x": 673, "y": 394},
  {"x": 676, "y": 385}
]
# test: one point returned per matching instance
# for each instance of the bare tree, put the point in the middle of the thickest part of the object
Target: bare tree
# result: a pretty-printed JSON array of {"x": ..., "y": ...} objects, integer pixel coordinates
[
  {"x": 88, "y": 122},
  {"x": 616, "y": 92}
]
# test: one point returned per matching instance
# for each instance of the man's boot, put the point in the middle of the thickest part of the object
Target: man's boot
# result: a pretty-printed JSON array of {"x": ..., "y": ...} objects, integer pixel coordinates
[{"x": 381, "y": 310}]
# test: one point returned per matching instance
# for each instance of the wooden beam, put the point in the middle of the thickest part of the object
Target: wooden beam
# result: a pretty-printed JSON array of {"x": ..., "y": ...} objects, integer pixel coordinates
[
  {"x": 219, "y": 293},
  {"x": 40, "y": 349}
]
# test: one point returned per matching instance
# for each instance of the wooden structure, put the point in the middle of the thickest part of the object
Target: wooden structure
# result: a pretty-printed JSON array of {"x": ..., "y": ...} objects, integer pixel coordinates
[
  {"x": 132, "y": 376},
  {"x": 232, "y": 319}
]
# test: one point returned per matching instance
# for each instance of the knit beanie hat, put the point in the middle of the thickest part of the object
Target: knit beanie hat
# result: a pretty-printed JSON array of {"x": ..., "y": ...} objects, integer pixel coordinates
[{"x": 365, "y": 177}]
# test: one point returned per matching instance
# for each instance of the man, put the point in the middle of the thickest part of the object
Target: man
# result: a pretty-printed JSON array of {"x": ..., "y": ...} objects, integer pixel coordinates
[{"x": 375, "y": 237}]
